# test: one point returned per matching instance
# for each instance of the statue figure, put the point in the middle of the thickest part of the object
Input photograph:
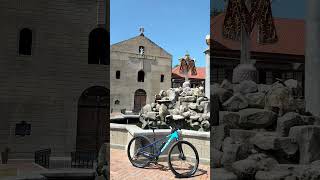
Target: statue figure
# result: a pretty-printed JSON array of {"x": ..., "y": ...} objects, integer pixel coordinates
[{"x": 187, "y": 64}]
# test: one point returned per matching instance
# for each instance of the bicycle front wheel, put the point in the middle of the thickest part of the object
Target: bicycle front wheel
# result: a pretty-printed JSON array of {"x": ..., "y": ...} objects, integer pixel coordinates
[
  {"x": 137, "y": 151},
  {"x": 183, "y": 159}
]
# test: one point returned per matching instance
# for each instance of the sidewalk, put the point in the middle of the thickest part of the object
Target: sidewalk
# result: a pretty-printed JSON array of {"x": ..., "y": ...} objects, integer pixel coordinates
[{"x": 122, "y": 169}]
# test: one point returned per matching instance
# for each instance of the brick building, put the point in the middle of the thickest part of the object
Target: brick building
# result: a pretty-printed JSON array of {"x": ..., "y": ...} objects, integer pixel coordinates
[
  {"x": 283, "y": 59},
  {"x": 54, "y": 63}
]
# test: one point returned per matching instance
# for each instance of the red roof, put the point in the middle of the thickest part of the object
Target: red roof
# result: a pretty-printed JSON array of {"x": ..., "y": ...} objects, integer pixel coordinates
[
  {"x": 291, "y": 35},
  {"x": 201, "y": 73}
]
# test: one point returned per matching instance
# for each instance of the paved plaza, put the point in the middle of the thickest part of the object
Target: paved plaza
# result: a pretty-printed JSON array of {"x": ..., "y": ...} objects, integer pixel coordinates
[{"x": 121, "y": 168}]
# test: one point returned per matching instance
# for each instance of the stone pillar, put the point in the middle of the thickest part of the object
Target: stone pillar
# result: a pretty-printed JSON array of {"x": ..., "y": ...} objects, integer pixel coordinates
[
  {"x": 312, "y": 60},
  {"x": 207, "y": 81}
]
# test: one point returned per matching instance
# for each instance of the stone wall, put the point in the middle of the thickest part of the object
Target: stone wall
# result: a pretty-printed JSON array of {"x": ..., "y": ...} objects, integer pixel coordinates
[{"x": 43, "y": 89}]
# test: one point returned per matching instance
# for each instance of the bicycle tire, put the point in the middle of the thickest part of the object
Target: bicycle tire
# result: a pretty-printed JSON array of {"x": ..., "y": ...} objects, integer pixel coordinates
[
  {"x": 142, "y": 140},
  {"x": 193, "y": 170}
]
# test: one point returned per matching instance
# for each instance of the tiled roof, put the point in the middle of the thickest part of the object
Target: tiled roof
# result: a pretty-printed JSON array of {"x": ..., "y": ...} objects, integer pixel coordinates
[
  {"x": 201, "y": 73},
  {"x": 291, "y": 35}
]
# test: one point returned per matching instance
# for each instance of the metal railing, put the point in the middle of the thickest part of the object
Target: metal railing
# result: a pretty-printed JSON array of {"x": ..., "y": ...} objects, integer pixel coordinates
[
  {"x": 42, "y": 157},
  {"x": 83, "y": 159}
]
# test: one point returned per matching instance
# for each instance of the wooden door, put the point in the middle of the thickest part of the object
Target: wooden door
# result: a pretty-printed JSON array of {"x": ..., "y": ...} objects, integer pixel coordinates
[{"x": 140, "y": 98}]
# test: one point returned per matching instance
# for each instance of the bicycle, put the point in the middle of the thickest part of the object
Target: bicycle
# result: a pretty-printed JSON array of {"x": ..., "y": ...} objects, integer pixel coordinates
[{"x": 141, "y": 152}]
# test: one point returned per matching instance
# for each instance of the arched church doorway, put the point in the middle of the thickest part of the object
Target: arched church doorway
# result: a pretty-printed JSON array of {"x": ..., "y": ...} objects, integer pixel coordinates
[
  {"x": 140, "y": 97},
  {"x": 93, "y": 114}
]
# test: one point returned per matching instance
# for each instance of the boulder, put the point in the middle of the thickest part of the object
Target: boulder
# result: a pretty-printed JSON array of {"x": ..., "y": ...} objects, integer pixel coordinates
[
  {"x": 220, "y": 133},
  {"x": 242, "y": 136},
  {"x": 287, "y": 121},
  {"x": 163, "y": 93},
  {"x": 235, "y": 103},
  {"x": 264, "y": 141},
  {"x": 230, "y": 150},
  {"x": 255, "y": 100},
  {"x": 206, "y": 106},
  {"x": 197, "y": 92},
  {"x": 307, "y": 138},
  {"x": 278, "y": 98},
  {"x": 247, "y": 168},
  {"x": 206, "y": 116},
  {"x": 177, "y": 117},
  {"x": 205, "y": 125},
  {"x": 172, "y": 95},
  {"x": 147, "y": 108},
  {"x": 291, "y": 83},
  {"x": 193, "y": 106},
  {"x": 296, "y": 105},
  {"x": 186, "y": 115},
  {"x": 183, "y": 108},
  {"x": 245, "y": 87},
  {"x": 163, "y": 112},
  {"x": 195, "y": 125},
  {"x": 199, "y": 100},
  {"x": 188, "y": 99},
  {"x": 264, "y": 88},
  {"x": 231, "y": 119},
  {"x": 175, "y": 112},
  {"x": 200, "y": 109},
  {"x": 256, "y": 118},
  {"x": 226, "y": 85},
  {"x": 151, "y": 115},
  {"x": 186, "y": 84},
  {"x": 269, "y": 141},
  {"x": 194, "y": 118},
  {"x": 223, "y": 94}
]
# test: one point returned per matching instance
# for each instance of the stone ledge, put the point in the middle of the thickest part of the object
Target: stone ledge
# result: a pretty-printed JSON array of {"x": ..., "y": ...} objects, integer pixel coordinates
[{"x": 196, "y": 133}]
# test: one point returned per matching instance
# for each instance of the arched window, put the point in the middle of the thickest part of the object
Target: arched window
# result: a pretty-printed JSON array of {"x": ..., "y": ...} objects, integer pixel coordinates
[
  {"x": 141, "y": 50},
  {"x": 141, "y": 76},
  {"x": 98, "y": 52},
  {"x": 118, "y": 75},
  {"x": 25, "y": 42},
  {"x": 161, "y": 78}
]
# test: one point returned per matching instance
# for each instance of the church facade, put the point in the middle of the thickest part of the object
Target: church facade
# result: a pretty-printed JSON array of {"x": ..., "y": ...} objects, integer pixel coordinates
[
  {"x": 139, "y": 70},
  {"x": 54, "y": 60}
]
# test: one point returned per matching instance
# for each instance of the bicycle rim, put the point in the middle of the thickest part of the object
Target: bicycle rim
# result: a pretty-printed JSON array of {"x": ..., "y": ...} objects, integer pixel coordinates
[
  {"x": 183, "y": 159},
  {"x": 137, "y": 152}
]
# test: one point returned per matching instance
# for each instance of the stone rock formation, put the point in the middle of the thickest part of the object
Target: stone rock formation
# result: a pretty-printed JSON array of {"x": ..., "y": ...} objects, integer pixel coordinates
[
  {"x": 185, "y": 107},
  {"x": 264, "y": 133}
]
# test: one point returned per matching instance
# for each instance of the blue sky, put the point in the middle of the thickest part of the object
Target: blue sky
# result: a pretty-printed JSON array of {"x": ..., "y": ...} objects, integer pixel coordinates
[
  {"x": 175, "y": 25},
  {"x": 294, "y": 9}
]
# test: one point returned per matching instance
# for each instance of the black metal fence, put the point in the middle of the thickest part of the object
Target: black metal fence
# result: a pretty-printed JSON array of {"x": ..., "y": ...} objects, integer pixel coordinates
[
  {"x": 83, "y": 159},
  {"x": 42, "y": 157}
]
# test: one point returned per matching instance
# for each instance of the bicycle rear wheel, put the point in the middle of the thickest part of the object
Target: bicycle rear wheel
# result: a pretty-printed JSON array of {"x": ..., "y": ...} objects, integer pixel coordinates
[
  {"x": 183, "y": 159},
  {"x": 138, "y": 153}
]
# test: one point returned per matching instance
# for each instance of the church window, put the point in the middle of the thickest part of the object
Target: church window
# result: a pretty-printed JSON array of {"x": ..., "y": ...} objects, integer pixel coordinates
[
  {"x": 118, "y": 75},
  {"x": 141, "y": 76},
  {"x": 117, "y": 102},
  {"x": 25, "y": 42},
  {"x": 161, "y": 78},
  {"x": 98, "y": 51}
]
